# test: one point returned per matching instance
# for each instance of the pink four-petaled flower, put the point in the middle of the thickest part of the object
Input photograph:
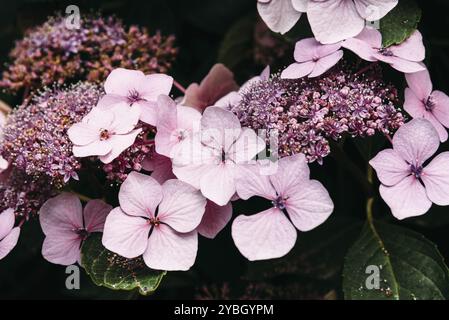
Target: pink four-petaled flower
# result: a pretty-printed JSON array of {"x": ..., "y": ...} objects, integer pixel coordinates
[
  {"x": 408, "y": 185},
  {"x": 66, "y": 225},
  {"x": 296, "y": 201},
  {"x": 155, "y": 221},
  {"x": 136, "y": 89},
  {"x": 8, "y": 233}
]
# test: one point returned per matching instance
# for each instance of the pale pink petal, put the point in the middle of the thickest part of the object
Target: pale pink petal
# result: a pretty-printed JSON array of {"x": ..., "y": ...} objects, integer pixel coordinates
[
  {"x": 411, "y": 49},
  {"x": 406, "y": 199},
  {"x": 154, "y": 85},
  {"x": 215, "y": 218},
  {"x": 365, "y": 44},
  {"x": 119, "y": 143},
  {"x": 170, "y": 250},
  {"x": 166, "y": 125},
  {"x": 250, "y": 182},
  {"x": 334, "y": 20},
  {"x": 64, "y": 249},
  {"x": 182, "y": 206},
  {"x": 442, "y": 132},
  {"x": 300, "y": 5},
  {"x": 406, "y": 66},
  {"x": 266, "y": 235},
  {"x": 416, "y": 141},
  {"x": 108, "y": 101},
  {"x": 125, "y": 118},
  {"x": 96, "y": 148},
  {"x": 291, "y": 171},
  {"x": 148, "y": 112},
  {"x": 188, "y": 119},
  {"x": 9, "y": 242},
  {"x": 121, "y": 81},
  {"x": 246, "y": 147},
  {"x": 82, "y": 133},
  {"x": 436, "y": 179},
  {"x": 217, "y": 183},
  {"x": 441, "y": 108},
  {"x": 125, "y": 235},
  {"x": 413, "y": 105},
  {"x": 309, "y": 205},
  {"x": 95, "y": 213},
  {"x": 7, "y": 219},
  {"x": 298, "y": 70},
  {"x": 62, "y": 214},
  {"x": 279, "y": 15},
  {"x": 420, "y": 84},
  {"x": 310, "y": 49},
  {"x": 99, "y": 118},
  {"x": 219, "y": 127},
  {"x": 390, "y": 167},
  {"x": 325, "y": 63},
  {"x": 373, "y": 10},
  {"x": 140, "y": 195},
  {"x": 160, "y": 166},
  {"x": 4, "y": 164},
  {"x": 229, "y": 100}
]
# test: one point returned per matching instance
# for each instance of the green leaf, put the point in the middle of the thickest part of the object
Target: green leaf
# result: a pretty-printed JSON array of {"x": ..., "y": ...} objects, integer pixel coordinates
[
  {"x": 115, "y": 272},
  {"x": 409, "y": 266},
  {"x": 237, "y": 45},
  {"x": 400, "y": 22}
]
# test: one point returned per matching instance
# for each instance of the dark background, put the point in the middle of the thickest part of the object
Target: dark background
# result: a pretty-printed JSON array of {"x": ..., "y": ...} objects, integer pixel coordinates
[{"x": 203, "y": 29}]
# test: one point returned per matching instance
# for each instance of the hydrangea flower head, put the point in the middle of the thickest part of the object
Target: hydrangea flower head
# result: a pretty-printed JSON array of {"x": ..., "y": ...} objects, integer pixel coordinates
[
  {"x": 421, "y": 101},
  {"x": 409, "y": 186},
  {"x": 155, "y": 221},
  {"x": 296, "y": 201},
  {"x": 66, "y": 225}
]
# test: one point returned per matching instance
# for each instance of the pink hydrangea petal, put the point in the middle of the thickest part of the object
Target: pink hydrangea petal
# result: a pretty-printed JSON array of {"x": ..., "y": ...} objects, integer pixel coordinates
[
  {"x": 4, "y": 164},
  {"x": 334, "y": 20},
  {"x": 95, "y": 213},
  {"x": 99, "y": 118},
  {"x": 406, "y": 66},
  {"x": 420, "y": 84},
  {"x": 300, "y": 5},
  {"x": 441, "y": 108},
  {"x": 298, "y": 70},
  {"x": 231, "y": 99},
  {"x": 291, "y": 171},
  {"x": 61, "y": 215},
  {"x": 217, "y": 183},
  {"x": 125, "y": 118},
  {"x": 166, "y": 125},
  {"x": 83, "y": 134},
  {"x": 148, "y": 112},
  {"x": 96, "y": 148},
  {"x": 309, "y": 206},
  {"x": 251, "y": 182},
  {"x": 121, "y": 81},
  {"x": 63, "y": 249},
  {"x": 411, "y": 49},
  {"x": 279, "y": 15},
  {"x": 416, "y": 141},
  {"x": 413, "y": 105},
  {"x": 390, "y": 167},
  {"x": 140, "y": 195},
  {"x": 325, "y": 63},
  {"x": 154, "y": 85},
  {"x": 435, "y": 177},
  {"x": 215, "y": 218},
  {"x": 266, "y": 235},
  {"x": 182, "y": 206},
  {"x": 7, "y": 219},
  {"x": 406, "y": 199},
  {"x": 160, "y": 166},
  {"x": 170, "y": 250},
  {"x": 246, "y": 147},
  {"x": 188, "y": 118},
  {"x": 108, "y": 101},
  {"x": 373, "y": 10},
  {"x": 119, "y": 143},
  {"x": 364, "y": 44},
  {"x": 219, "y": 127},
  {"x": 442, "y": 132},
  {"x": 9, "y": 242},
  {"x": 125, "y": 235},
  {"x": 310, "y": 49}
]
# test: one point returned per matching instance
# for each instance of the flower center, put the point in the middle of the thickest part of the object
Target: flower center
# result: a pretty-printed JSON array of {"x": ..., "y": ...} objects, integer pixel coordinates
[
  {"x": 429, "y": 103},
  {"x": 279, "y": 203},
  {"x": 155, "y": 221},
  {"x": 82, "y": 233},
  {"x": 134, "y": 96},
  {"x": 385, "y": 52},
  {"x": 104, "y": 135},
  {"x": 416, "y": 171},
  {"x": 223, "y": 155}
]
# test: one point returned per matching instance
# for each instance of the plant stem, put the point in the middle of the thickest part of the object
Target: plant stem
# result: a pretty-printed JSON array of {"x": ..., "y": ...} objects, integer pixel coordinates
[
  {"x": 179, "y": 86},
  {"x": 81, "y": 196}
]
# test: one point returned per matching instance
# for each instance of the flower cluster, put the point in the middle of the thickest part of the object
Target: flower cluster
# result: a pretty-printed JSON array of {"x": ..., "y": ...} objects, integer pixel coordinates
[
  {"x": 35, "y": 135},
  {"x": 305, "y": 113},
  {"x": 52, "y": 53}
]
